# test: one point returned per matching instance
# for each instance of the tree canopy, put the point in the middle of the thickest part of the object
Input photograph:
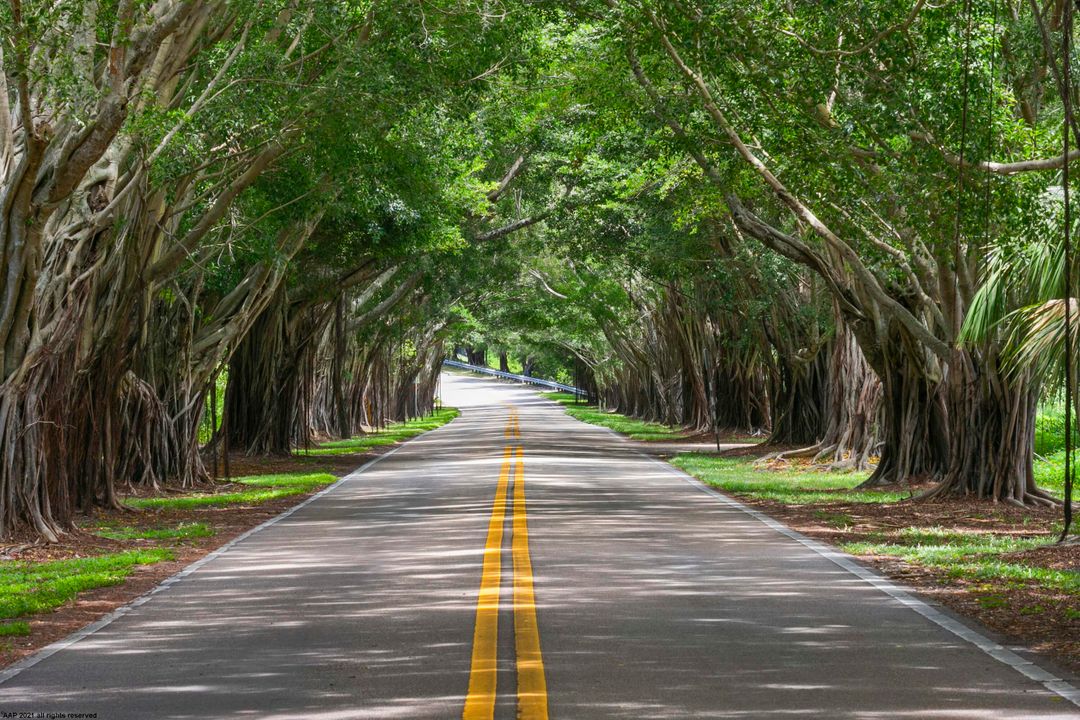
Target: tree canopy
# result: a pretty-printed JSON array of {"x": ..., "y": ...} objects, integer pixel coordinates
[{"x": 841, "y": 226}]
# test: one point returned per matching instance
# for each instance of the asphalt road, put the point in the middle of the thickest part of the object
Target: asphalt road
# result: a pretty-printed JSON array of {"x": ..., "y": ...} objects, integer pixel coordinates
[{"x": 406, "y": 591}]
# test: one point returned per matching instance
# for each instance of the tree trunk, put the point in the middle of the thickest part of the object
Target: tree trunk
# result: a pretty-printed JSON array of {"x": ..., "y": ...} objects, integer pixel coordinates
[
  {"x": 914, "y": 424},
  {"x": 476, "y": 356},
  {"x": 337, "y": 372},
  {"x": 799, "y": 399},
  {"x": 263, "y": 392},
  {"x": 739, "y": 400},
  {"x": 991, "y": 431},
  {"x": 852, "y": 434}
]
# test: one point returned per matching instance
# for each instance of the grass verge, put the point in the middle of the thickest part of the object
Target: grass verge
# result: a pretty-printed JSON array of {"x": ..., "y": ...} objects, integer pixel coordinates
[
  {"x": 183, "y": 531},
  {"x": 394, "y": 433},
  {"x": 788, "y": 486},
  {"x": 33, "y": 587},
  {"x": 263, "y": 489},
  {"x": 631, "y": 427},
  {"x": 1050, "y": 472},
  {"x": 19, "y": 627},
  {"x": 979, "y": 556}
]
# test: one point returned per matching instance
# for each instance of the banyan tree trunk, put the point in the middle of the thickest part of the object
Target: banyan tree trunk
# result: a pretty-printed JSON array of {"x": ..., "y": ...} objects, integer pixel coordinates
[
  {"x": 262, "y": 397},
  {"x": 838, "y": 405},
  {"x": 991, "y": 431},
  {"x": 259, "y": 419},
  {"x": 914, "y": 424},
  {"x": 739, "y": 400},
  {"x": 64, "y": 410},
  {"x": 800, "y": 396},
  {"x": 476, "y": 356},
  {"x": 38, "y": 475},
  {"x": 343, "y": 423},
  {"x": 166, "y": 402},
  {"x": 852, "y": 433}
]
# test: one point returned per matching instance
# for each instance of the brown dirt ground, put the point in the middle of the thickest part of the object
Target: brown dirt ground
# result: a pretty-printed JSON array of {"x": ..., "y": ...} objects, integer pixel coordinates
[{"x": 227, "y": 522}]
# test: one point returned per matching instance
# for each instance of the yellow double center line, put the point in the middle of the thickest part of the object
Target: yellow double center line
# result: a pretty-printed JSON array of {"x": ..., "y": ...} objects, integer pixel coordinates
[
  {"x": 513, "y": 425},
  {"x": 531, "y": 684}
]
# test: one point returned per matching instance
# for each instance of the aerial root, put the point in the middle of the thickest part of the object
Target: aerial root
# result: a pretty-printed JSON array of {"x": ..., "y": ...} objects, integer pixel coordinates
[{"x": 783, "y": 455}]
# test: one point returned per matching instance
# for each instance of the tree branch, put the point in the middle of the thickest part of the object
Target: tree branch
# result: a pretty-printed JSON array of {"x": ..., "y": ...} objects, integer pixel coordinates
[{"x": 997, "y": 168}]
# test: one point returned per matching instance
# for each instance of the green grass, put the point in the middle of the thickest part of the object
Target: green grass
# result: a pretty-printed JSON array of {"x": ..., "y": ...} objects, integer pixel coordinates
[
  {"x": 207, "y": 428},
  {"x": 1050, "y": 447},
  {"x": 389, "y": 435},
  {"x": 970, "y": 555},
  {"x": 559, "y": 396},
  {"x": 183, "y": 531},
  {"x": 1050, "y": 429},
  {"x": 513, "y": 365},
  {"x": 836, "y": 520},
  {"x": 264, "y": 489},
  {"x": 19, "y": 627},
  {"x": 1050, "y": 472},
  {"x": 631, "y": 427},
  {"x": 301, "y": 482},
  {"x": 794, "y": 487},
  {"x": 33, "y": 587}
]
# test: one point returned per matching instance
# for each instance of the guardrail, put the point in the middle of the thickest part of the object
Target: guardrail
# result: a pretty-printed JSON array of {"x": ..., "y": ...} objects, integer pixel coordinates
[{"x": 516, "y": 378}]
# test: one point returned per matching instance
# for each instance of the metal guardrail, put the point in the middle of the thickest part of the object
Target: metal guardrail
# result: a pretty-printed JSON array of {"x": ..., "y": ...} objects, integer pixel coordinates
[{"x": 516, "y": 378}]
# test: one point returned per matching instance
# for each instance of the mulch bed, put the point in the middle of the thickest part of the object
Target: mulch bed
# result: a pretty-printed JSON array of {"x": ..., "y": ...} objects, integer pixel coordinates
[
  {"x": 227, "y": 523},
  {"x": 1042, "y": 619}
]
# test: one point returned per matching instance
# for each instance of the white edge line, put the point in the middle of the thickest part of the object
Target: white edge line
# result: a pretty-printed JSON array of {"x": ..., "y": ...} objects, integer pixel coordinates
[
  {"x": 1025, "y": 667},
  {"x": 102, "y": 622}
]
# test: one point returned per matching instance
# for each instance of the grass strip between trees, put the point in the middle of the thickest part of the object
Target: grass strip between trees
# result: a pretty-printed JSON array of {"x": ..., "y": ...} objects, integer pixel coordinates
[
  {"x": 19, "y": 627},
  {"x": 970, "y": 555},
  {"x": 789, "y": 486},
  {"x": 394, "y": 433},
  {"x": 183, "y": 531},
  {"x": 631, "y": 427},
  {"x": 264, "y": 489},
  {"x": 27, "y": 588},
  {"x": 1050, "y": 473}
]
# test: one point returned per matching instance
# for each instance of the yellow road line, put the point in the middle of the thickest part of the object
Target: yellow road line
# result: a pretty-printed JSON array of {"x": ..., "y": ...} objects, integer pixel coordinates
[
  {"x": 480, "y": 702},
  {"x": 513, "y": 424},
  {"x": 531, "y": 684}
]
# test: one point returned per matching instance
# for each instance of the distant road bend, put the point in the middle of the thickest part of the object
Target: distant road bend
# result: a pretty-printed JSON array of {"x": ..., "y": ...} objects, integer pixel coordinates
[{"x": 518, "y": 563}]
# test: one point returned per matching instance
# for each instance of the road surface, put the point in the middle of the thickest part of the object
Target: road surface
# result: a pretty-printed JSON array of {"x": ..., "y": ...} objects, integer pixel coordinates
[{"x": 518, "y": 561}]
